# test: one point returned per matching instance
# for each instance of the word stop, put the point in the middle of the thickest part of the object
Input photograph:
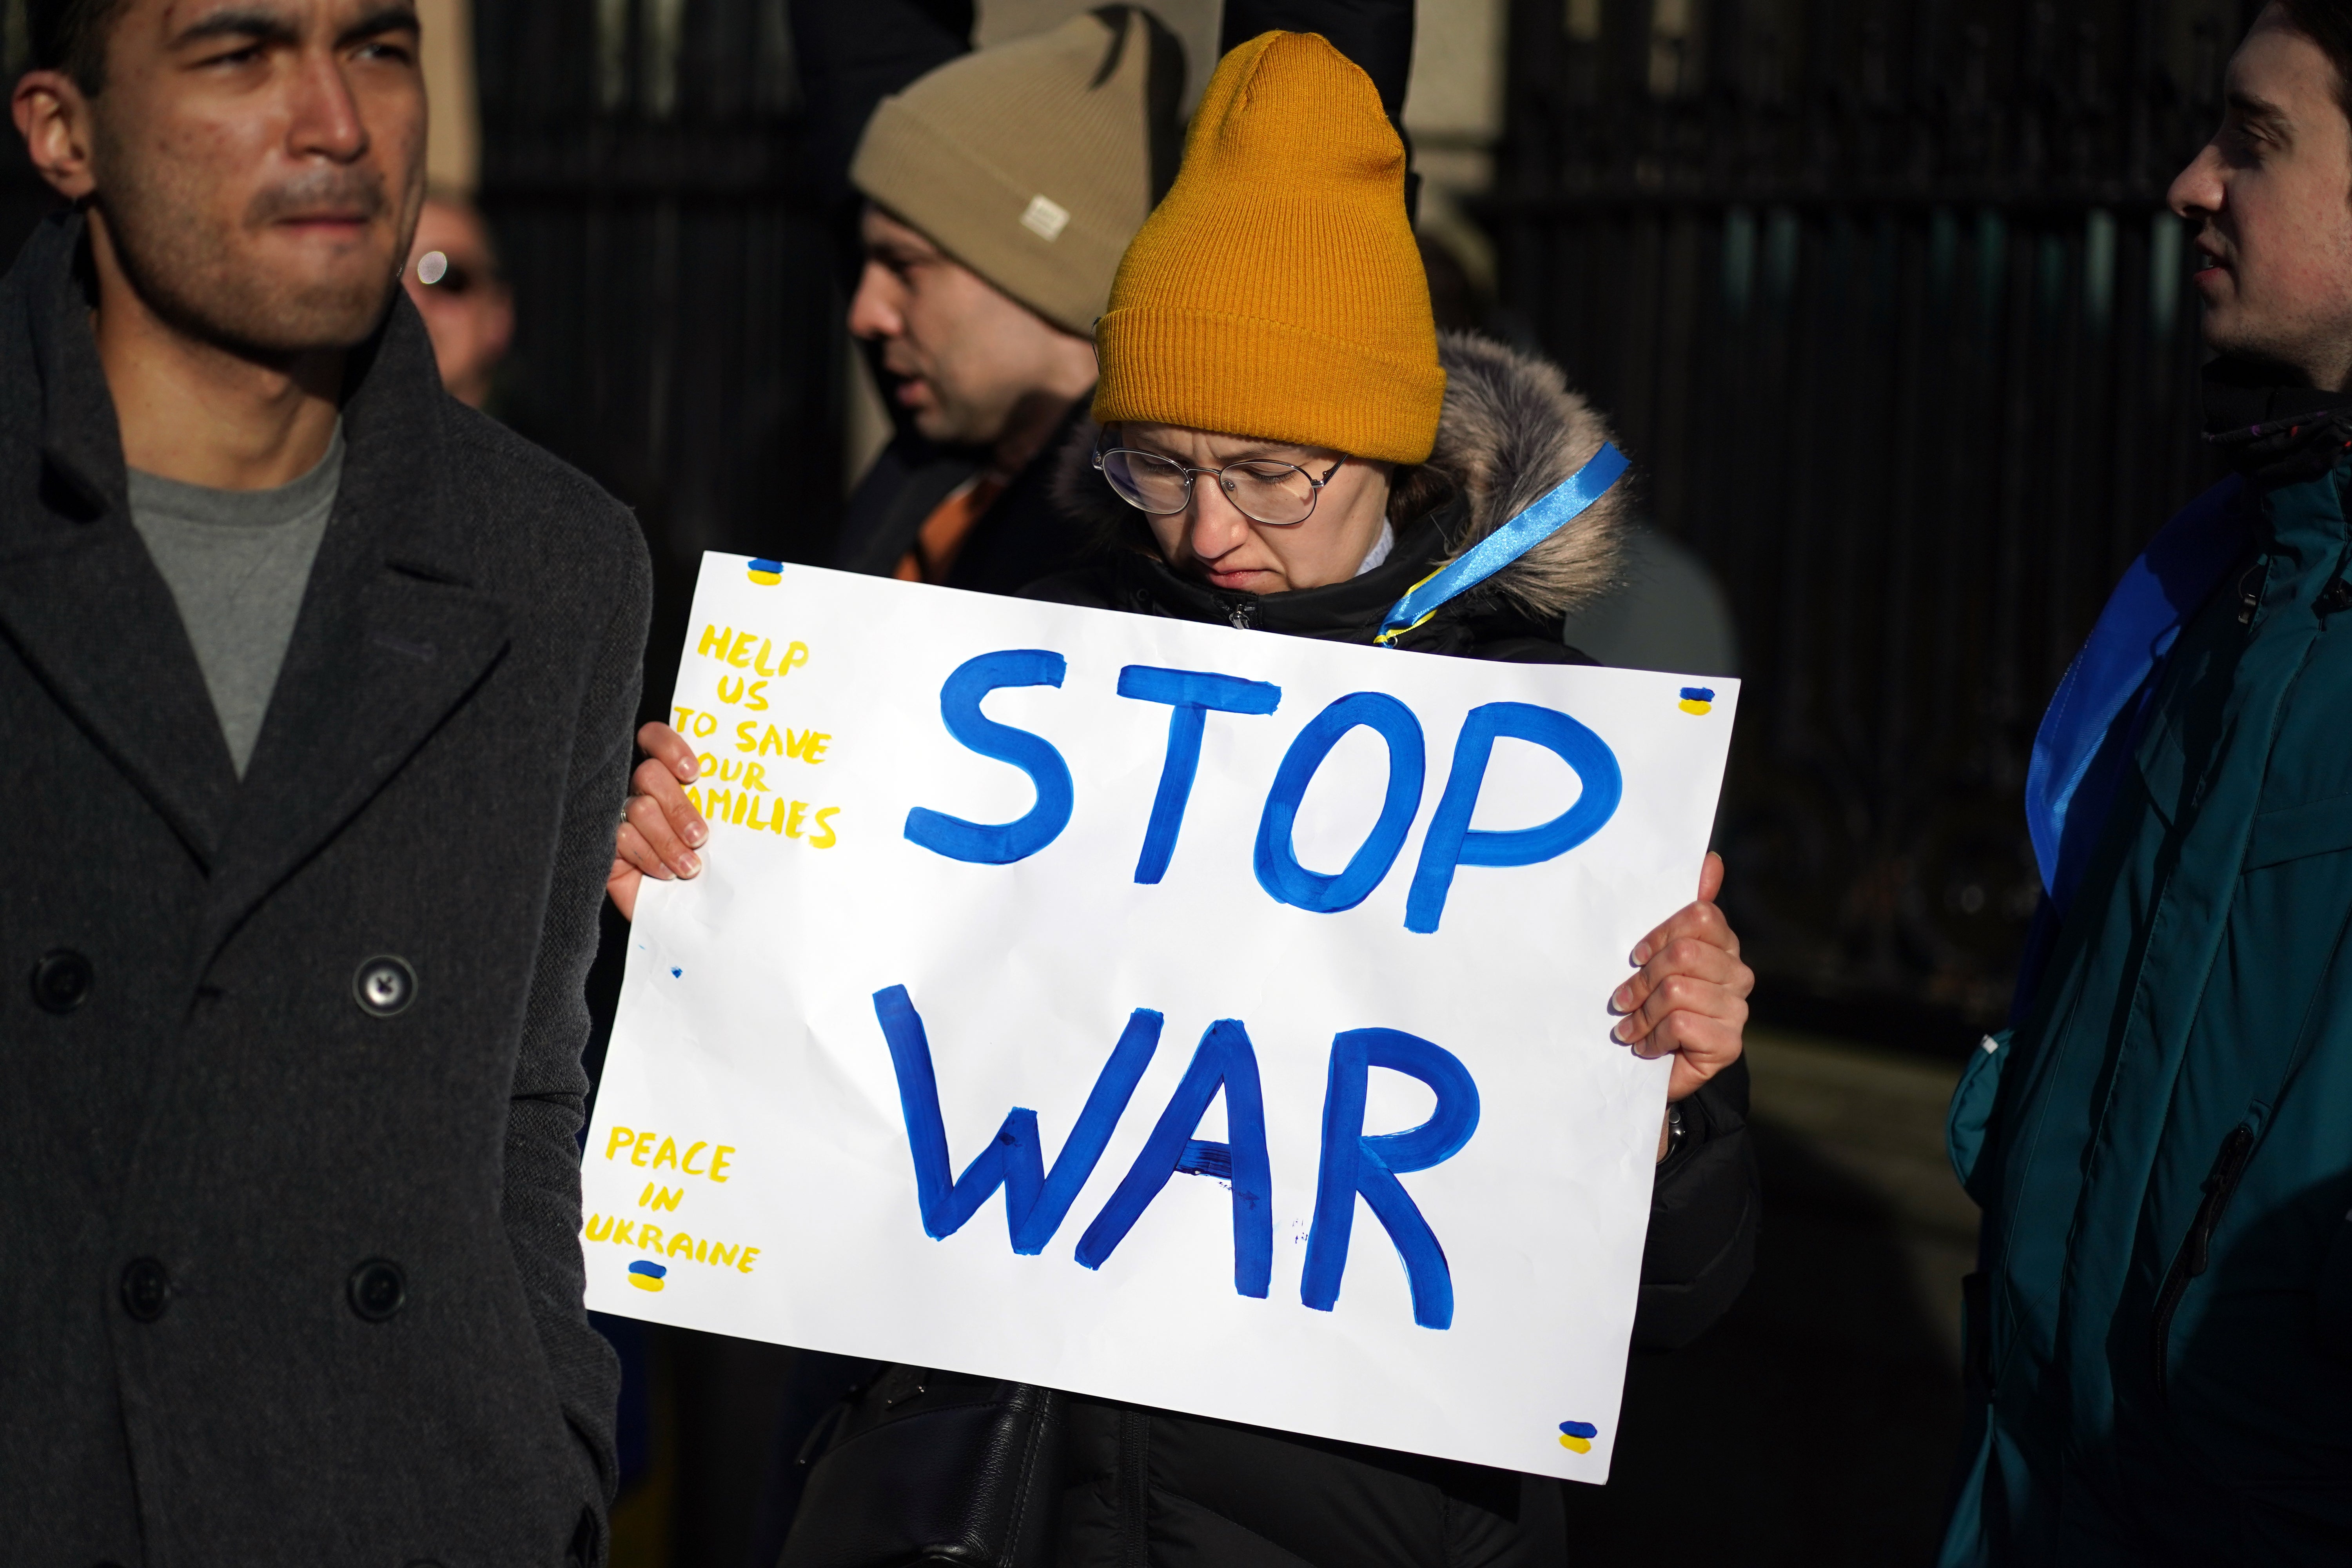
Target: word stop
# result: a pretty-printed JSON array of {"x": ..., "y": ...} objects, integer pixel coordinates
[{"x": 1191, "y": 695}]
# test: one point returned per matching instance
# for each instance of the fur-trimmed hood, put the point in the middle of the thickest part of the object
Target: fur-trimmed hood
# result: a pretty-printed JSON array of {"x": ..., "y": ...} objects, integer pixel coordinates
[{"x": 1511, "y": 429}]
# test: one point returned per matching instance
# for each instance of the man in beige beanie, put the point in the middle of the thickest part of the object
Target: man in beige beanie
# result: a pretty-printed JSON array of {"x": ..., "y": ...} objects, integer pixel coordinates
[{"x": 1000, "y": 190}]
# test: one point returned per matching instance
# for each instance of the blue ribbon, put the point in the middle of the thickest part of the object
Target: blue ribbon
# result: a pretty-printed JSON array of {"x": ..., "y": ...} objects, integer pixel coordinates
[
  {"x": 1547, "y": 517},
  {"x": 2093, "y": 721}
]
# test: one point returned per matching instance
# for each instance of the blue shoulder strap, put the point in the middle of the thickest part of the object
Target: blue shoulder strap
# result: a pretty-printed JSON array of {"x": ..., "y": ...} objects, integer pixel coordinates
[
  {"x": 1549, "y": 513},
  {"x": 2092, "y": 722}
]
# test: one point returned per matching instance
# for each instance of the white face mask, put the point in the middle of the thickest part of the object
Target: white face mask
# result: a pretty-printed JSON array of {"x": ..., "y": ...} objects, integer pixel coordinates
[{"x": 1381, "y": 548}]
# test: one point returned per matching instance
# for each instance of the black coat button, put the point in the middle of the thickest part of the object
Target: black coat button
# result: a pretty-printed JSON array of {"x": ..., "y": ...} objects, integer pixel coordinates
[
  {"x": 378, "y": 1289},
  {"x": 385, "y": 985},
  {"x": 146, "y": 1288},
  {"x": 61, "y": 980}
]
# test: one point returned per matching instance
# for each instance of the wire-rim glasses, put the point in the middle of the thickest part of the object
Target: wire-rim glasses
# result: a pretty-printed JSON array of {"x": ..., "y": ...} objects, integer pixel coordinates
[{"x": 1264, "y": 490}]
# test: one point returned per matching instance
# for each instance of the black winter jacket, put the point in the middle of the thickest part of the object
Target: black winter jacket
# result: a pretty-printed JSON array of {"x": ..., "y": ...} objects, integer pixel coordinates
[
  {"x": 289, "y": 1185},
  {"x": 1150, "y": 1487},
  {"x": 1026, "y": 535}
]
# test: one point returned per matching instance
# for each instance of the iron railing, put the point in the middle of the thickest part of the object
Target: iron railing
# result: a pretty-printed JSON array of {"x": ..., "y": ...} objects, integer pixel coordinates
[
  {"x": 681, "y": 330},
  {"x": 1884, "y": 296},
  {"x": 1882, "y": 293}
]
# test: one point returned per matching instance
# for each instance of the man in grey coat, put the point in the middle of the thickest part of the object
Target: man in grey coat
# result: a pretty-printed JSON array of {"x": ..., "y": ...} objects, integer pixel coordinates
[{"x": 288, "y": 1184}]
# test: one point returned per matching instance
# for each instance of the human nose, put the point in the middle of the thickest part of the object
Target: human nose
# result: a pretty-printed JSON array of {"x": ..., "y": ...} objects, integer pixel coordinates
[
  {"x": 327, "y": 120},
  {"x": 2198, "y": 190},
  {"x": 1218, "y": 526},
  {"x": 873, "y": 310}
]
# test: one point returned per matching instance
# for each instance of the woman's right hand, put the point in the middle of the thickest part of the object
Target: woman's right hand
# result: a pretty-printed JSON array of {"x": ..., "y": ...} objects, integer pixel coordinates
[{"x": 660, "y": 829}]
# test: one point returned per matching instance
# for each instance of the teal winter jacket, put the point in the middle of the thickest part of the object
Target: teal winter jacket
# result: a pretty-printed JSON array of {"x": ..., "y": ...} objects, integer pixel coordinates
[{"x": 2160, "y": 1332}]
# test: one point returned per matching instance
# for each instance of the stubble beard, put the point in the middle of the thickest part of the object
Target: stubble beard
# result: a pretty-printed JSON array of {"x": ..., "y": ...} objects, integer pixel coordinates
[
  {"x": 957, "y": 417},
  {"x": 191, "y": 271},
  {"x": 2287, "y": 328},
  {"x": 2312, "y": 345}
]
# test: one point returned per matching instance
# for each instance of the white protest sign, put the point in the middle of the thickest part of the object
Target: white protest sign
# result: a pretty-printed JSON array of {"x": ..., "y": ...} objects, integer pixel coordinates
[{"x": 1201, "y": 1018}]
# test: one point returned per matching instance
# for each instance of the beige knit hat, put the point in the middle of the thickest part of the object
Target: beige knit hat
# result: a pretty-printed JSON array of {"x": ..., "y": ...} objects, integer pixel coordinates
[{"x": 1035, "y": 162}]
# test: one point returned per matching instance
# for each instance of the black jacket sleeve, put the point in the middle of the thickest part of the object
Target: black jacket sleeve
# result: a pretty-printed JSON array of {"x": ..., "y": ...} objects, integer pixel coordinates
[
  {"x": 540, "y": 1204},
  {"x": 1703, "y": 1213}
]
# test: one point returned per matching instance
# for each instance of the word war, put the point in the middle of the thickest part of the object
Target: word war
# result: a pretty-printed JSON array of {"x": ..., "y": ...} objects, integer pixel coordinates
[
  {"x": 1354, "y": 1165},
  {"x": 1192, "y": 695}
]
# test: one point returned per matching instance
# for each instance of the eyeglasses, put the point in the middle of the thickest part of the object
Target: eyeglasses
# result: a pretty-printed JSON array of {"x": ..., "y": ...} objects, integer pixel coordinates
[{"x": 1264, "y": 490}]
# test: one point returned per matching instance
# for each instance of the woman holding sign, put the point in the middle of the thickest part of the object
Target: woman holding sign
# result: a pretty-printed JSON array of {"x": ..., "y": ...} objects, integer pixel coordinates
[{"x": 1283, "y": 443}]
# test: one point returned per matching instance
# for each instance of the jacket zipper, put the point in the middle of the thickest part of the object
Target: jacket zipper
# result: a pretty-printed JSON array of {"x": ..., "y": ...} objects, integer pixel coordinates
[
  {"x": 1135, "y": 1488},
  {"x": 2196, "y": 1248},
  {"x": 2250, "y": 599}
]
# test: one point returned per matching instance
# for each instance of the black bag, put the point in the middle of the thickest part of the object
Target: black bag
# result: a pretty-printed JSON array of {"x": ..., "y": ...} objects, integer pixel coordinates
[{"x": 931, "y": 1466}]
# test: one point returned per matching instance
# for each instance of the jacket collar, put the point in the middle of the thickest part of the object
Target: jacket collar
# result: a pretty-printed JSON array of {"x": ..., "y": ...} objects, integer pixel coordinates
[
  {"x": 79, "y": 598},
  {"x": 2270, "y": 429},
  {"x": 81, "y": 447},
  {"x": 397, "y": 628},
  {"x": 1340, "y": 612}
]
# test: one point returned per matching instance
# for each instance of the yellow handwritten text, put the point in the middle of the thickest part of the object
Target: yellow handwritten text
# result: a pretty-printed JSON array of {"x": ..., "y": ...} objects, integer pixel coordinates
[
  {"x": 643, "y": 1149},
  {"x": 808, "y": 745},
  {"x": 744, "y": 809},
  {"x": 734, "y": 649},
  {"x": 649, "y": 1238},
  {"x": 732, "y": 690}
]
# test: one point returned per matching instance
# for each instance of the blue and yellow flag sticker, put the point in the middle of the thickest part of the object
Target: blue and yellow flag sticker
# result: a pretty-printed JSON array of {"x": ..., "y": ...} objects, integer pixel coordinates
[
  {"x": 767, "y": 573},
  {"x": 646, "y": 1276},
  {"x": 1576, "y": 1436},
  {"x": 1696, "y": 698}
]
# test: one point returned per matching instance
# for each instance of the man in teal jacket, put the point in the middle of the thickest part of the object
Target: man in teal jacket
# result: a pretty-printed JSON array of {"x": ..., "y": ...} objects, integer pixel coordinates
[{"x": 2160, "y": 1332}]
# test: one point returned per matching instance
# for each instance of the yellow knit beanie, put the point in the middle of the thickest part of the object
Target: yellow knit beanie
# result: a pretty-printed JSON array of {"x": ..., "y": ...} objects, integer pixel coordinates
[{"x": 1276, "y": 291}]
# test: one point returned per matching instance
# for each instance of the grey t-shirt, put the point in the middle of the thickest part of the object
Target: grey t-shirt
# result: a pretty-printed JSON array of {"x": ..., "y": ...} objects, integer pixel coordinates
[{"x": 238, "y": 562}]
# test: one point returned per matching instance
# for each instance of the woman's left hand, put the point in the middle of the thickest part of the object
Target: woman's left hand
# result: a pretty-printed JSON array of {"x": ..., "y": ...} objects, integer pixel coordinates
[{"x": 1690, "y": 997}]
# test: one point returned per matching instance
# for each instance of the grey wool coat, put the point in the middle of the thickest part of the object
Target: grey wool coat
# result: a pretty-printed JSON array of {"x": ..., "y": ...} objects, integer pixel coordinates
[{"x": 289, "y": 1069}]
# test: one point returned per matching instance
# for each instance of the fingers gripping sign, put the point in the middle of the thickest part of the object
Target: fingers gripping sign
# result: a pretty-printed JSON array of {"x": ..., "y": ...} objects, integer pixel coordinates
[
  {"x": 1688, "y": 996},
  {"x": 659, "y": 829}
]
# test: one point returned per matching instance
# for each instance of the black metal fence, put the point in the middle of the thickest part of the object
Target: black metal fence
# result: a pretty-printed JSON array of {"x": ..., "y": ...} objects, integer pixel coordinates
[
  {"x": 1881, "y": 293},
  {"x": 1884, "y": 295},
  {"x": 23, "y": 197},
  {"x": 680, "y": 330}
]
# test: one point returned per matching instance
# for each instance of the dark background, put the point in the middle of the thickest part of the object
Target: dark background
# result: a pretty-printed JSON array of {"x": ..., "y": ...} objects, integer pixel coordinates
[
  {"x": 1884, "y": 296},
  {"x": 1881, "y": 294},
  {"x": 1883, "y": 299}
]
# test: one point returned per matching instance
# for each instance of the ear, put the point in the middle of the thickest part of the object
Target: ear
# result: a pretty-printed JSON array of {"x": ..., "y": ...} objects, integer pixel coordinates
[{"x": 53, "y": 117}]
